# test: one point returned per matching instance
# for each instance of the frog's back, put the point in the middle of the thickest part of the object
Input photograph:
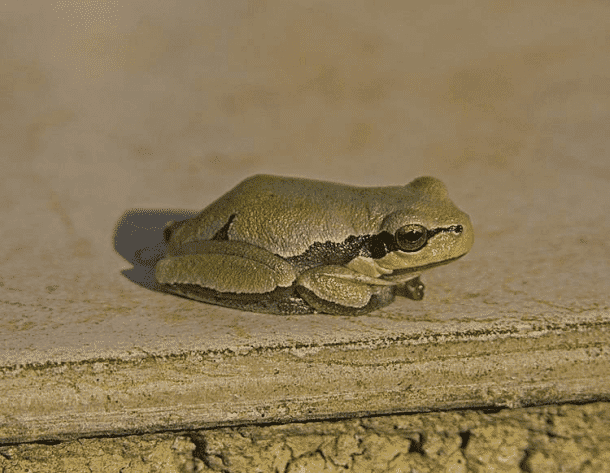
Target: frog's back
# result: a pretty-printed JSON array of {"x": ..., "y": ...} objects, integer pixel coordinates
[{"x": 286, "y": 215}]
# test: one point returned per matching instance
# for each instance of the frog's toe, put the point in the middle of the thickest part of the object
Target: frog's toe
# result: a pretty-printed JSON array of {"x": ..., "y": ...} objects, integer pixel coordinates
[{"x": 412, "y": 289}]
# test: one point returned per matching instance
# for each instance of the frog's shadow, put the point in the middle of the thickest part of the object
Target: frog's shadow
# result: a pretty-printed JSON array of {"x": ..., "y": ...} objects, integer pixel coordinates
[{"x": 138, "y": 237}]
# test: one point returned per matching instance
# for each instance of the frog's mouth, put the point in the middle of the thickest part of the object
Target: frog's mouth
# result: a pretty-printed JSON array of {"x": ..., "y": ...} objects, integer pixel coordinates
[{"x": 417, "y": 269}]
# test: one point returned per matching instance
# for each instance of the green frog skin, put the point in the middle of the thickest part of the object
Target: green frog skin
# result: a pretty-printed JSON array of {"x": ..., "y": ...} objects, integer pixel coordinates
[{"x": 285, "y": 245}]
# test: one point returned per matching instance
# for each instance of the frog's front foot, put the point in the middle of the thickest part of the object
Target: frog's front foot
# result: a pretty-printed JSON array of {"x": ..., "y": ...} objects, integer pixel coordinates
[
  {"x": 340, "y": 290},
  {"x": 412, "y": 289}
]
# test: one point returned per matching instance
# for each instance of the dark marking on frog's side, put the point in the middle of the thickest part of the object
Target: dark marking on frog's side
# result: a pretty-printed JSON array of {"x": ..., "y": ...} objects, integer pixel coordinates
[
  {"x": 370, "y": 246},
  {"x": 223, "y": 233},
  {"x": 331, "y": 253}
]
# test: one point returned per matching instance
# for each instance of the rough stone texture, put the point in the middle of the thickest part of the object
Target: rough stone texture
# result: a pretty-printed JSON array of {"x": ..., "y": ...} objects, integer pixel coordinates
[
  {"x": 566, "y": 438},
  {"x": 163, "y": 453}
]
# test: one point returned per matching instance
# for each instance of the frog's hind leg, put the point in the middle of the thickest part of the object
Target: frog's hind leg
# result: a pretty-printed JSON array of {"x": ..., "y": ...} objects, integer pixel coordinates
[
  {"x": 233, "y": 274},
  {"x": 340, "y": 290},
  {"x": 281, "y": 301}
]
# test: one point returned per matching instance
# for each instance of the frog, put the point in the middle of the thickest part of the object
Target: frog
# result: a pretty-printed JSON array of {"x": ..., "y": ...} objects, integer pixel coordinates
[{"x": 288, "y": 245}]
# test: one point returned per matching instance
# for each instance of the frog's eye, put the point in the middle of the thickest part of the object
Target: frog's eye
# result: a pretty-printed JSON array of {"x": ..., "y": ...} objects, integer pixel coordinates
[{"x": 411, "y": 237}]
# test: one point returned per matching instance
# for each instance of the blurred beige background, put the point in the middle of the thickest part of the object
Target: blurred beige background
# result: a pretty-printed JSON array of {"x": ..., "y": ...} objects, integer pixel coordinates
[
  {"x": 110, "y": 106},
  {"x": 157, "y": 98}
]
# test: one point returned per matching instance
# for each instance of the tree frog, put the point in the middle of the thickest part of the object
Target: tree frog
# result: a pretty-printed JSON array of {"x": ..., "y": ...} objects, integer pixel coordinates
[{"x": 285, "y": 245}]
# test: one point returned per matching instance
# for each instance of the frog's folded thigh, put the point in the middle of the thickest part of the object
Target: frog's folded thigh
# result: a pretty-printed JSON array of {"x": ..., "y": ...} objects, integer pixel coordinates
[{"x": 255, "y": 271}]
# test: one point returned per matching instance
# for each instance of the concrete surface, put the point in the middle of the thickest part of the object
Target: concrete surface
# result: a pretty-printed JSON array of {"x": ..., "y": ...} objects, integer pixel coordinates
[
  {"x": 549, "y": 439},
  {"x": 109, "y": 108}
]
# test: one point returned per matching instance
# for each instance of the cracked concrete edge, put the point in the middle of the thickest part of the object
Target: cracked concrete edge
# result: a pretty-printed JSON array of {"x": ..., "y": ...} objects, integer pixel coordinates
[
  {"x": 208, "y": 390},
  {"x": 166, "y": 453},
  {"x": 551, "y": 438},
  {"x": 546, "y": 438}
]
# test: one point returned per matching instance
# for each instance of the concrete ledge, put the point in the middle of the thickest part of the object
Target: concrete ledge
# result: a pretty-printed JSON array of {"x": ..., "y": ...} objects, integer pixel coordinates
[
  {"x": 477, "y": 366},
  {"x": 535, "y": 439}
]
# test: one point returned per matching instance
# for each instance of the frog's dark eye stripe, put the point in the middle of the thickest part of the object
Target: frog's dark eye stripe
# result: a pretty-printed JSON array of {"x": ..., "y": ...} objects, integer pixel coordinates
[
  {"x": 453, "y": 228},
  {"x": 381, "y": 244},
  {"x": 409, "y": 238},
  {"x": 414, "y": 237}
]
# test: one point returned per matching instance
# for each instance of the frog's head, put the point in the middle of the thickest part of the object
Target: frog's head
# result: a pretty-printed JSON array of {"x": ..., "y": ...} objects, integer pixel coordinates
[{"x": 427, "y": 227}]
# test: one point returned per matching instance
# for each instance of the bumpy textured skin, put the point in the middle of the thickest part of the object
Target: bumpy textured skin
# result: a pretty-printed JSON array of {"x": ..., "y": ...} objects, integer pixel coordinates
[{"x": 256, "y": 247}]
